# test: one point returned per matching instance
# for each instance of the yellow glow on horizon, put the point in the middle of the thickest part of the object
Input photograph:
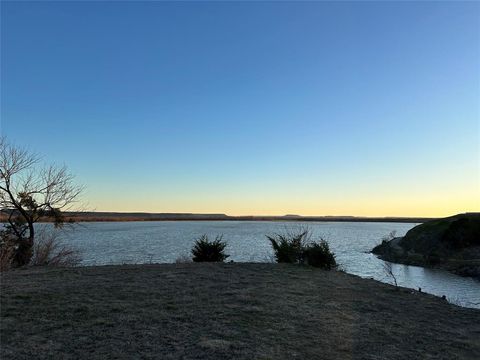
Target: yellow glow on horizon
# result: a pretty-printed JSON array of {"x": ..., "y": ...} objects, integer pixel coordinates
[
  {"x": 402, "y": 207},
  {"x": 406, "y": 197}
]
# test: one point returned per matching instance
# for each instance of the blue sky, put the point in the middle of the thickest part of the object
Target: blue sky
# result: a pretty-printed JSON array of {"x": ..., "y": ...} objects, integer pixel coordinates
[{"x": 364, "y": 108}]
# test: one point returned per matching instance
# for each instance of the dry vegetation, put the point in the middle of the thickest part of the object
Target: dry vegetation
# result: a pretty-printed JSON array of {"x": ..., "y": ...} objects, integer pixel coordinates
[
  {"x": 225, "y": 311},
  {"x": 7, "y": 252},
  {"x": 50, "y": 251}
]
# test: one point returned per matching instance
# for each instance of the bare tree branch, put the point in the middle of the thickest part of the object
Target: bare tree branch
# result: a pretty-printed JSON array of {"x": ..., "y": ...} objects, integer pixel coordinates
[{"x": 30, "y": 192}]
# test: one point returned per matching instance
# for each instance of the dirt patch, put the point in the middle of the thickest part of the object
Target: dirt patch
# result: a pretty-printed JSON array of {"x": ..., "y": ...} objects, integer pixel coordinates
[{"x": 225, "y": 311}]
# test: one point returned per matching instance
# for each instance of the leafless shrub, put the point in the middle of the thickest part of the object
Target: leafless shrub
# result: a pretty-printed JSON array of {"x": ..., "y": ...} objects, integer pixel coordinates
[
  {"x": 49, "y": 250},
  {"x": 387, "y": 267},
  {"x": 389, "y": 237}
]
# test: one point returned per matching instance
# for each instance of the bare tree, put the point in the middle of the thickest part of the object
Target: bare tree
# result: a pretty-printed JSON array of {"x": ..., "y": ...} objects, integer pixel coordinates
[{"x": 28, "y": 193}]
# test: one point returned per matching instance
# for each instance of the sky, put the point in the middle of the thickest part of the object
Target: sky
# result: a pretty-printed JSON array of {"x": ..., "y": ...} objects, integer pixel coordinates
[{"x": 260, "y": 108}]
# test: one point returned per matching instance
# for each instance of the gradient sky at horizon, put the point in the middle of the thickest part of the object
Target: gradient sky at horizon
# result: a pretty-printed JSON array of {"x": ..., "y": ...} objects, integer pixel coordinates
[{"x": 364, "y": 108}]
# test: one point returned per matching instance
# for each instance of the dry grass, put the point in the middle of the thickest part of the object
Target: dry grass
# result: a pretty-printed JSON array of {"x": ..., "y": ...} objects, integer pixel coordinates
[
  {"x": 50, "y": 251},
  {"x": 7, "y": 251},
  {"x": 183, "y": 259},
  {"x": 225, "y": 311}
]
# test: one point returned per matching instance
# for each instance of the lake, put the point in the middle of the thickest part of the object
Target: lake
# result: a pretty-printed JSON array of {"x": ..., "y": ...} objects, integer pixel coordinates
[{"x": 106, "y": 243}]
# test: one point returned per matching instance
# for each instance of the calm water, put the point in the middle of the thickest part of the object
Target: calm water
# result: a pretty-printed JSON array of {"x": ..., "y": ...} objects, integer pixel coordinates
[{"x": 163, "y": 242}]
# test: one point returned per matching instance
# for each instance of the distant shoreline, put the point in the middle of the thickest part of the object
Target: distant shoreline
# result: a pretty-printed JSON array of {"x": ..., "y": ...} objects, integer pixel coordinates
[{"x": 121, "y": 217}]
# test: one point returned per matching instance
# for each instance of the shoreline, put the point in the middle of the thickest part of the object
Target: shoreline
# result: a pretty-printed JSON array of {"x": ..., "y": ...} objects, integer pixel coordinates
[{"x": 200, "y": 218}]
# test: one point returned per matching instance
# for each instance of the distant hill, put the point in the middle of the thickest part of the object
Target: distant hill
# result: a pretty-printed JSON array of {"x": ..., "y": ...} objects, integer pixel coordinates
[
  {"x": 140, "y": 216},
  {"x": 452, "y": 243}
]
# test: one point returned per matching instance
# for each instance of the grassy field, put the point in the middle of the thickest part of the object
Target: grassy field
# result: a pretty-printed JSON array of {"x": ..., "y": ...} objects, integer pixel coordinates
[{"x": 225, "y": 311}]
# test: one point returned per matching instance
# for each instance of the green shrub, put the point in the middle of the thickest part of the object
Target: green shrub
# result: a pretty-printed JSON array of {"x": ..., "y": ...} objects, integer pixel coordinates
[
  {"x": 288, "y": 247},
  {"x": 209, "y": 251},
  {"x": 319, "y": 255},
  {"x": 297, "y": 248}
]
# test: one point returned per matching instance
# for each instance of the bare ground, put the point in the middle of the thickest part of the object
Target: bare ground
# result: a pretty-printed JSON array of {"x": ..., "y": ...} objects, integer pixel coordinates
[{"x": 225, "y": 311}]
